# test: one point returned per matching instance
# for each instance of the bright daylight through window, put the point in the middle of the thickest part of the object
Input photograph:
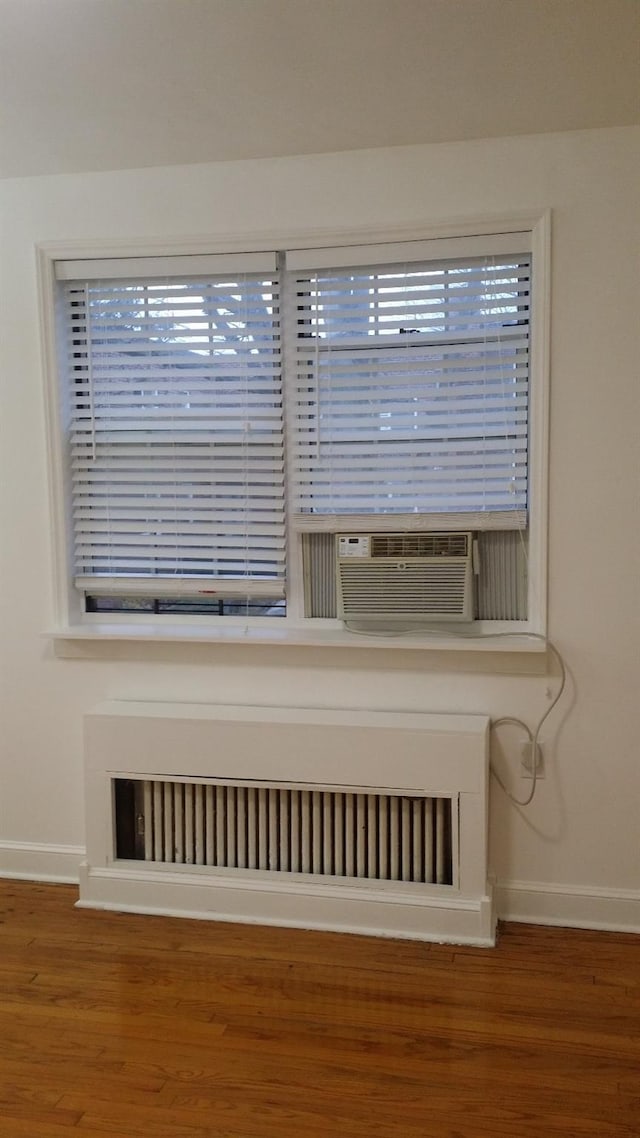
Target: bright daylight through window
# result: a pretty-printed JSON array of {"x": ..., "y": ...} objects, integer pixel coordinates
[{"x": 325, "y": 433}]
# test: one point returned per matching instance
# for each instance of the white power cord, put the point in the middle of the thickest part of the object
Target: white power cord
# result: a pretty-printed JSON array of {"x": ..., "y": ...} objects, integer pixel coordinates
[{"x": 531, "y": 736}]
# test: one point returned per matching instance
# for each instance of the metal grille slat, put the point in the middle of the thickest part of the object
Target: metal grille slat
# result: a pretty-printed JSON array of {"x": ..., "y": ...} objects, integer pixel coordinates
[
  {"x": 406, "y": 841},
  {"x": 156, "y": 822},
  {"x": 394, "y": 840},
  {"x": 188, "y": 824},
  {"x": 349, "y": 830},
  {"x": 416, "y": 832},
  {"x": 294, "y": 829},
  {"x": 167, "y": 809},
  {"x": 147, "y": 805},
  {"x": 316, "y": 832},
  {"x": 221, "y": 849},
  {"x": 439, "y": 838},
  {"x": 210, "y": 819},
  {"x": 429, "y": 862},
  {"x": 252, "y": 828},
  {"x": 373, "y": 836},
  {"x": 231, "y": 826},
  {"x": 284, "y": 827},
  {"x": 179, "y": 814},
  {"x": 327, "y": 833},
  {"x": 339, "y": 816},
  {"x": 240, "y": 830},
  {"x": 383, "y": 844},
  {"x": 272, "y": 828},
  {"x": 199, "y": 818}
]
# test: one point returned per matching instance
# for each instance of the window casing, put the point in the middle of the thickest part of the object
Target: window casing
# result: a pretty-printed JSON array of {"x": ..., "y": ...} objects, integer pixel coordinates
[{"x": 355, "y": 363}]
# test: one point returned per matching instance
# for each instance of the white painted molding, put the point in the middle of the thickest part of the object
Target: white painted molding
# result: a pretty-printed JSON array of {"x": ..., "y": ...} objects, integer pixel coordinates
[
  {"x": 285, "y": 237},
  {"x": 572, "y": 906},
  {"x": 449, "y": 918},
  {"x": 36, "y": 861}
]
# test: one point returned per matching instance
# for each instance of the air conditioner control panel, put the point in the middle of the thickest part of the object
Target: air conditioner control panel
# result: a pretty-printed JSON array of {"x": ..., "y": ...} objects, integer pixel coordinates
[{"x": 350, "y": 545}]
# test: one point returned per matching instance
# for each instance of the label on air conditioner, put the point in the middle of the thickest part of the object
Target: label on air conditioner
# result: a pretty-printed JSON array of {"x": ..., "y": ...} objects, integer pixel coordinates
[{"x": 350, "y": 545}]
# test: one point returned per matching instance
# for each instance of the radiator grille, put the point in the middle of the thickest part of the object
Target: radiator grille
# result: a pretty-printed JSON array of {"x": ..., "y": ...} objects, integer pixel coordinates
[{"x": 384, "y": 837}]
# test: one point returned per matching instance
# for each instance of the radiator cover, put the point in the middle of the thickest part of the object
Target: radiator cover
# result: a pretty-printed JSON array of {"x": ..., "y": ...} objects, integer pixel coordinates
[{"x": 398, "y": 846}]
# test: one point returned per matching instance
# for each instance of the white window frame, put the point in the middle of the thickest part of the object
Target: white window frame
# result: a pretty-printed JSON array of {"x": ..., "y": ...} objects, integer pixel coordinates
[{"x": 70, "y": 623}]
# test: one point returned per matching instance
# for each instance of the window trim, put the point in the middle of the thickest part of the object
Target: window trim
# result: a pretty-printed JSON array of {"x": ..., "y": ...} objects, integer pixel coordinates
[{"x": 69, "y": 623}]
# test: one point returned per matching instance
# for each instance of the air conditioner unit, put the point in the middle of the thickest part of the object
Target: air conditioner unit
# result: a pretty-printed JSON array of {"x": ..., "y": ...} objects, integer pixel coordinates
[{"x": 405, "y": 579}]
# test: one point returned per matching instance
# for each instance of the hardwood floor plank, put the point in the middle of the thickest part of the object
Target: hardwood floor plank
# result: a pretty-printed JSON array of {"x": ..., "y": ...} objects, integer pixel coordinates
[
  {"x": 234, "y": 1117},
  {"x": 18, "y": 1127},
  {"x": 58, "y": 1078},
  {"x": 380, "y": 1054},
  {"x": 38, "y": 1115}
]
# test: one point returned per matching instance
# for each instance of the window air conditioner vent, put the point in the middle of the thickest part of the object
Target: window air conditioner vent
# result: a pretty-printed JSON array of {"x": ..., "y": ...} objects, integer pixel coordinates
[
  {"x": 420, "y": 545},
  {"x": 406, "y": 580}
]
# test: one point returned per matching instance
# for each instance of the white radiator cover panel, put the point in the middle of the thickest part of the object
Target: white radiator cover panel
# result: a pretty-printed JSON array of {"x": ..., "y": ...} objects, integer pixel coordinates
[{"x": 440, "y": 756}]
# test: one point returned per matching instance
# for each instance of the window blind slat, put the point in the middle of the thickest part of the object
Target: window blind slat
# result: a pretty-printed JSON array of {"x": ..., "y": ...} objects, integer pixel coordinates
[
  {"x": 198, "y": 531},
  {"x": 204, "y": 567},
  {"x": 139, "y": 544},
  {"x": 226, "y": 521}
]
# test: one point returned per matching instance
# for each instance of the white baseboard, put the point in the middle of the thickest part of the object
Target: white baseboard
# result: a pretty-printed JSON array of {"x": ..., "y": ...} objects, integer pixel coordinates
[
  {"x": 347, "y": 908},
  {"x": 573, "y": 906},
  {"x": 36, "y": 861}
]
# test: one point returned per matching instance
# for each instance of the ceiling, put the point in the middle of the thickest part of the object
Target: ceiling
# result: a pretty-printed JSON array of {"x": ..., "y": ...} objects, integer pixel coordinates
[{"x": 111, "y": 84}]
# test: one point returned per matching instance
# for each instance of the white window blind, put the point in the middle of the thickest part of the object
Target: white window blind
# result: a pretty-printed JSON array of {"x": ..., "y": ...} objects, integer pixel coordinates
[
  {"x": 411, "y": 386},
  {"x": 174, "y": 410}
]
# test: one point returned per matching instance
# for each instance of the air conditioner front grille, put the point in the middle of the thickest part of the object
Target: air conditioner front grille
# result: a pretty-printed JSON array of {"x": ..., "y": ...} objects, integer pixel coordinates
[
  {"x": 412, "y": 590},
  {"x": 420, "y": 545},
  {"x": 331, "y": 833}
]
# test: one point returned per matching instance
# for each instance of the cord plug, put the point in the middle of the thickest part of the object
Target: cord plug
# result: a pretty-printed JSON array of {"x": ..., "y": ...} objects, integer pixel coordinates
[{"x": 529, "y": 762}]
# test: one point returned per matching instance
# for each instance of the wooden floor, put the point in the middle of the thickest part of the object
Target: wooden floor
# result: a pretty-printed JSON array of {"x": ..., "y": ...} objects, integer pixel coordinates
[{"x": 144, "y": 1026}]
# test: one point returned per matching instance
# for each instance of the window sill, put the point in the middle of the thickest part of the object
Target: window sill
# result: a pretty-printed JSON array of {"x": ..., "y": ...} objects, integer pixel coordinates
[{"x": 503, "y": 639}]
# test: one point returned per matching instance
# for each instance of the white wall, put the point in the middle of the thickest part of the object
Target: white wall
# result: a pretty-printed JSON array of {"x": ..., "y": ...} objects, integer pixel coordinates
[{"x": 580, "y": 839}]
